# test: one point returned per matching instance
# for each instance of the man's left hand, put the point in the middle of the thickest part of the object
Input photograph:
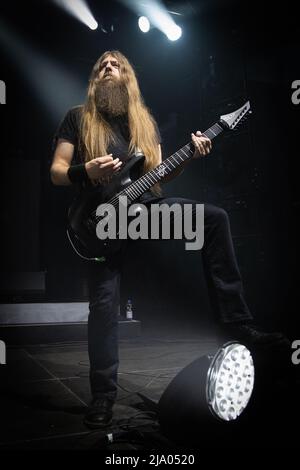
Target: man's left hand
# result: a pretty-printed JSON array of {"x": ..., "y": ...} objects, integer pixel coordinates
[{"x": 202, "y": 145}]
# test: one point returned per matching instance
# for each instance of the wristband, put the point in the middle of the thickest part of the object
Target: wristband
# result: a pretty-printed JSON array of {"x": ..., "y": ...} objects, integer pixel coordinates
[{"x": 77, "y": 173}]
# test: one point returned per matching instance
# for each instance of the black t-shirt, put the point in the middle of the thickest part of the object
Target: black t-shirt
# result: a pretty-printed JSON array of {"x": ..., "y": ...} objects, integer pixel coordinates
[{"x": 69, "y": 129}]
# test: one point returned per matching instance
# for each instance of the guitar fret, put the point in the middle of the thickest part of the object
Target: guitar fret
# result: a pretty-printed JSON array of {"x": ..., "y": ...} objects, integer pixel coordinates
[
  {"x": 144, "y": 185},
  {"x": 156, "y": 175},
  {"x": 137, "y": 192},
  {"x": 173, "y": 157},
  {"x": 176, "y": 162},
  {"x": 185, "y": 153},
  {"x": 149, "y": 176},
  {"x": 140, "y": 183},
  {"x": 172, "y": 164},
  {"x": 133, "y": 193},
  {"x": 181, "y": 159},
  {"x": 129, "y": 190},
  {"x": 148, "y": 183},
  {"x": 213, "y": 131}
]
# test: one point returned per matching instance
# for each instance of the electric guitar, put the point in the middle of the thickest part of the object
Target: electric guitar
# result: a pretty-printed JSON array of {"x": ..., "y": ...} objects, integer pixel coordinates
[{"x": 82, "y": 214}]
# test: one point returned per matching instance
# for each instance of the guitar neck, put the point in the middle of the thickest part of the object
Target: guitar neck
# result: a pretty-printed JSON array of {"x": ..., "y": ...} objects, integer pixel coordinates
[{"x": 167, "y": 167}]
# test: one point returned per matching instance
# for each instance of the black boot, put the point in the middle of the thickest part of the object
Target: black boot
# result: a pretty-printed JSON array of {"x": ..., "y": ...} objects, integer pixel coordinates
[
  {"x": 249, "y": 334},
  {"x": 99, "y": 413}
]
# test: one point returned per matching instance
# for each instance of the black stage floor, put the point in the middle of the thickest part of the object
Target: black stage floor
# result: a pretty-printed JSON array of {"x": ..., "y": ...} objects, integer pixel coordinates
[{"x": 45, "y": 391}]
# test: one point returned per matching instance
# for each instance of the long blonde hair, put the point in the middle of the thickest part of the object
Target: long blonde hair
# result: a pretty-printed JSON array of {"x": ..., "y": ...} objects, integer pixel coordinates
[{"x": 96, "y": 133}]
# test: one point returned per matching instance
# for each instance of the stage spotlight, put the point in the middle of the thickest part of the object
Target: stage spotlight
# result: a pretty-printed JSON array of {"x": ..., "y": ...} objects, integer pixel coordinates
[
  {"x": 80, "y": 10},
  {"x": 144, "y": 24},
  {"x": 209, "y": 397},
  {"x": 156, "y": 14},
  {"x": 93, "y": 25},
  {"x": 173, "y": 32},
  {"x": 230, "y": 381}
]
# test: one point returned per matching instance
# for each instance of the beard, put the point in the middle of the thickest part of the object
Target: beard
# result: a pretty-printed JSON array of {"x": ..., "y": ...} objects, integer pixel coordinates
[{"x": 111, "y": 98}]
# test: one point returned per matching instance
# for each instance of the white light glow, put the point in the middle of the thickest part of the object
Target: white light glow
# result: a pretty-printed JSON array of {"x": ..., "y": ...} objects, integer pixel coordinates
[
  {"x": 144, "y": 24},
  {"x": 173, "y": 33},
  {"x": 51, "y": 83},
  {"x": 80, "y": 10},
  {"x": 157, "y": 15}
]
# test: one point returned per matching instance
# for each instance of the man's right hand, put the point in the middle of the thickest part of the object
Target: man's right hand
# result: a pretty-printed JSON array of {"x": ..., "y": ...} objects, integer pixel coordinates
[{"x": 102, "y": 167}]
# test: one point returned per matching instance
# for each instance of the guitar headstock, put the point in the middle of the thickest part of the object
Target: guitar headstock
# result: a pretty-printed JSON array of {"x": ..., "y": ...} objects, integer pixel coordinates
[{"x": 231, "y": 120}]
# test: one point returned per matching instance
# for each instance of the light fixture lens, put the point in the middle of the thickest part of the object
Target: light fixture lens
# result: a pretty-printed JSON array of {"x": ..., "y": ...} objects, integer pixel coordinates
[
  {"x": 174, "y": 32},
  {"x": 144, "y": 24},
  {"x": 232, "y": 366},
  {"x": 93, "y": 24}
]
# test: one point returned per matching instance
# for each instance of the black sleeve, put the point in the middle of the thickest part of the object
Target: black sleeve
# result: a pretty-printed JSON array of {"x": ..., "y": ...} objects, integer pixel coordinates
[{"x": 68, "y": 128}]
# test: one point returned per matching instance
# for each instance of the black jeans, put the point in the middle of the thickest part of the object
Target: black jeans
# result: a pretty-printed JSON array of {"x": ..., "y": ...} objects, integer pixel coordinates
[{"x": 224, "y": 286}]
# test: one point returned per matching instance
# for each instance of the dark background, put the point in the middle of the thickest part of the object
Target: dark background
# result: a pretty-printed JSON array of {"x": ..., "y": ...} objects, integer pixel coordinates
[{"x": 228, "y": 53}]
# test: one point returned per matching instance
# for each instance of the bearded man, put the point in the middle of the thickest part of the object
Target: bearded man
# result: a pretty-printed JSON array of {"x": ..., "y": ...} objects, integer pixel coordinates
[{"x": 92, "y": 143}]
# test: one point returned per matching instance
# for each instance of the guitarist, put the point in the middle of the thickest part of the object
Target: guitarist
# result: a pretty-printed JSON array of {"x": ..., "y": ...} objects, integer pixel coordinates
[{"x": 91, "y": 145}]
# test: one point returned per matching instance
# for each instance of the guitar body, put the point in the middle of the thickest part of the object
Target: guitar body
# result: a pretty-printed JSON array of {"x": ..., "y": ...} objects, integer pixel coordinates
[{"x": 81, "y": 215}]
